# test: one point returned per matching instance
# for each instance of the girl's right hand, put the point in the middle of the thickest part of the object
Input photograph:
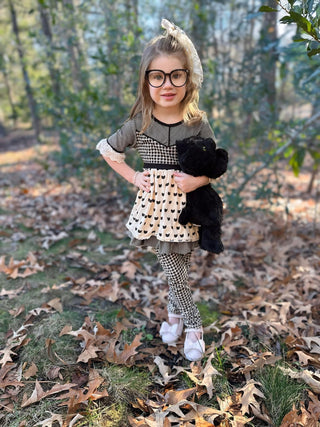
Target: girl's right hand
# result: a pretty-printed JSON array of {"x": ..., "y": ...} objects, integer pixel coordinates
[{"x": 142, "y": 180}]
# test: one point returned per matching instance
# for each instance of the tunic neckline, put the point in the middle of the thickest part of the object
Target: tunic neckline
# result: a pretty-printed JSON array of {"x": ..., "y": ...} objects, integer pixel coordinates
[{"x": 167, "y": 124}]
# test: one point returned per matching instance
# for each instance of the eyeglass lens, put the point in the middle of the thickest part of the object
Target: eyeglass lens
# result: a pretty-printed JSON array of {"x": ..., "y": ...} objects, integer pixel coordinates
[{"x": 156, "y": 78}]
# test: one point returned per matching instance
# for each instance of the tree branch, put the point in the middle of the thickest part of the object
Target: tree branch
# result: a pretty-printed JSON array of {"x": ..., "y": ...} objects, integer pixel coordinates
[{"x": 280, "y": 150}]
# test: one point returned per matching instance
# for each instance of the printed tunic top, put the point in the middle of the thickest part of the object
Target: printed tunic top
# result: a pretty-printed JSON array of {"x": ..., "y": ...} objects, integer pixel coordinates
[{"x": 154, "y": 219}]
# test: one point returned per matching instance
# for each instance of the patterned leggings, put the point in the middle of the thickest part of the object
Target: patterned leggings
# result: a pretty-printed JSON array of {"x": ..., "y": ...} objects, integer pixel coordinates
[{"x": 176, "y": 268}]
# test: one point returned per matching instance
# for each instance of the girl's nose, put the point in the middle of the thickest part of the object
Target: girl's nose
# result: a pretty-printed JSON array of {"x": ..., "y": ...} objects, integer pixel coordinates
[{"x": 167, "y": 81}]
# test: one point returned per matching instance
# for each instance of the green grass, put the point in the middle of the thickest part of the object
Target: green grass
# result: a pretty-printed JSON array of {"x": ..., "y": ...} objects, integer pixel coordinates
[
  {"x": 281, "y": 392},
  {"x": 104, "y": 312},
  {"x": 128, "y": 335},
  {"x": 101, "y": 415},
  {"x": 49, "y": 328},
  {"x": 5, "y": 321},
  {"x": 125, "y": 385},
  {"x": 39, "y": 287},
  {"x": 18, "y": 250},
  {"x": 37, "y": 290},
  {"x": 32, "y": 414},
  {"x": 208, "y": 313}
]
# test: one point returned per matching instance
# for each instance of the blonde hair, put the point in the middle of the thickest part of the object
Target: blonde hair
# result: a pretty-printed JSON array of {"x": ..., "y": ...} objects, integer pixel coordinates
[{"x": 166, "y": 45}]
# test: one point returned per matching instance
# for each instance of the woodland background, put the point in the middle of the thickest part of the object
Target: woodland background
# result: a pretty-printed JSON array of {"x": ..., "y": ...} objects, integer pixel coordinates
[{"x": 80, "y": 309}]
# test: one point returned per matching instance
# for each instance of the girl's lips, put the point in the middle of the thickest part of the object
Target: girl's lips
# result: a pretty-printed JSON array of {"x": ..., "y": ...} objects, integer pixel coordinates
[{"x": 168, "y": 95}]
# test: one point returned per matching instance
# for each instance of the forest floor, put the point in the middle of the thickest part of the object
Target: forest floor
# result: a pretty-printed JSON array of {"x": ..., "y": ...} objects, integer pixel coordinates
[{"x": 80, "y": 309}]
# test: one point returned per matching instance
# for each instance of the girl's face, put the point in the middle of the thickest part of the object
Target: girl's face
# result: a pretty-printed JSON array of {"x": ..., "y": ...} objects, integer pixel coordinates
[{"x": 168, "y": 97}]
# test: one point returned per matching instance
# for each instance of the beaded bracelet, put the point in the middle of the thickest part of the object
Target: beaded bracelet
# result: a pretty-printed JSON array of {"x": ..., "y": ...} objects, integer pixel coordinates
[{"x": 135, "y": 177}]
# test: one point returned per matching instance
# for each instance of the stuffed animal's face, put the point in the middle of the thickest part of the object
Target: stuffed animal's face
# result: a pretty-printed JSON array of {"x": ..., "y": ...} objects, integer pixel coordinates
[{"x": 197, "y": 156}]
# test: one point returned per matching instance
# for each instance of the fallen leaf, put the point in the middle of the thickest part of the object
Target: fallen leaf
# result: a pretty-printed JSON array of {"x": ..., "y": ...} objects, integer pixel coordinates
[
  {"x": 49, "y": 422},
  {"x": 30, "y": 372},
  {"x": 129, "y": 268},
  {"x": 7, "y": 353},
  {"x": 299, "y": 417},
  {"x": 309, "y": 378},
  {"x": 164, "y": 371},
  {"x": 174, "y": 396},
  {"x": 39, "y": 394},
  {"x": 56, "y": 304},
  {"x": 89, "y": 353},
  {"x": 248, "y": 398},
  {"x": 208, "y": 373}
]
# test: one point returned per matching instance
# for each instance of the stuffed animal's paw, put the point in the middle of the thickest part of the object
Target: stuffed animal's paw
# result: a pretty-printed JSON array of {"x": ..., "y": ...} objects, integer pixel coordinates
[{"x": 183, "y": 218}]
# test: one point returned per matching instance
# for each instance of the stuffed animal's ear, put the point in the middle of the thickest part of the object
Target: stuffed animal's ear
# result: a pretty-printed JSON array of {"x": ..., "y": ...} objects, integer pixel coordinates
[
  {"x": 221, "y": 163},
  {"x": 211, "y": 142}
]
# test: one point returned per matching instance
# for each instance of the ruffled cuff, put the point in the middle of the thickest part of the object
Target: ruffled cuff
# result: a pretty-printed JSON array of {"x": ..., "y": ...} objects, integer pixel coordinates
[
  {"x": 107, "y": 151},
  {"x": 211, "y": 180}
]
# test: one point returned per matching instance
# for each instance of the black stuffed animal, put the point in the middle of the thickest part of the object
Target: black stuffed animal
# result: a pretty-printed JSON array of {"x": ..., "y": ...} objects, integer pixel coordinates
[{"x": 198, "y": 156}]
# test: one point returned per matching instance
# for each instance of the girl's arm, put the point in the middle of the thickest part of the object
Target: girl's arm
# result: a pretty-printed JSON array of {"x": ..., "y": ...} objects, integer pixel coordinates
[
  {"x": 188, "y": 183},
  {"x": 140, "y": 179}
]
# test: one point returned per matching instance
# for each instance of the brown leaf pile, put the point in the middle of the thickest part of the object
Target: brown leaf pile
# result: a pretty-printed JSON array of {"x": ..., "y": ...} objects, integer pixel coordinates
[{"x": 264, "y": 287}]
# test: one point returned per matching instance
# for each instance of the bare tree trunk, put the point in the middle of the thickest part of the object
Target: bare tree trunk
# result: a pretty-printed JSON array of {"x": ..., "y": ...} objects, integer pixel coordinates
[
  {"x": 268, "y": 40},
  {"x": 200, "y": 27},
  {"x": 14, "y": 114},
  {"x": 53, "y": 71},
  {"x": 73, "y": 47},
  {"x": 28, "y": 88},
  {"x": 109, "y": 10},
  {"x": 249, "y": 76}
]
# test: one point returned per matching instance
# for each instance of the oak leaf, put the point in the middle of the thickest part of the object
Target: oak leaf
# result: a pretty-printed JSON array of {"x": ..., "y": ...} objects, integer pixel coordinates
[
  {"x": 89, "y": 353},
  {"x": 50, "y": 422},
  {"x": 309, "y": 378},
  {"x": 313, "y": 344},
  {"x": 164, "y": 371},
  {"x": 7, "y": 353},
  {"x": 30, "y": 372},
  {"x": 129, "y": 268},
  {"x": 174, "y": 396},
  {"x": 122, "y": 357},
  {"x": 299, "y": 418},
  {"x": 56, "y": 304},
  {"x": 304, "y": 358},
  {"x": 38, "y": 393},
  {"x": 76, "y": 397},
  {"x": 314, "y": 405},
  {"x": 248, "y": 398},
  {"x": 208, "y": 372}
]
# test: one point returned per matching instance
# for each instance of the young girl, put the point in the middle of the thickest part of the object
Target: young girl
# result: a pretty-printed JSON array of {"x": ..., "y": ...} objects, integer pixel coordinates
[{"x": 165, "y": 111}]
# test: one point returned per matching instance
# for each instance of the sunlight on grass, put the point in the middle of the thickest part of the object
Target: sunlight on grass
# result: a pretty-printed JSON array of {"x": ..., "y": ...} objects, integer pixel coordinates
[
  {"x": 125, "y": 385},
  {"x": 281, "y": 392},
  {"x": 99, "y": 414}
]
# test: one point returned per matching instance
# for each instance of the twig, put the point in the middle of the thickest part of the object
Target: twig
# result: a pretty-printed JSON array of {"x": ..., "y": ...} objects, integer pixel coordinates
[
  {"x": 279, "y": 151},
  {"x": 314, "y": 35}
]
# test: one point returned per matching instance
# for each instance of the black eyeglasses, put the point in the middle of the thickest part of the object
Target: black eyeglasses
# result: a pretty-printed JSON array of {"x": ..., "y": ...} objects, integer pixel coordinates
[{"x": 157, "y": 78}]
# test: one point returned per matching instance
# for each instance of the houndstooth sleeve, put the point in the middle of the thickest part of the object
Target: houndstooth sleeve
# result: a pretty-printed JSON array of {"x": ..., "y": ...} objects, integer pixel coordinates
[
  {"x": 115, "y": 145},
  {"x": 107, "y": 151}
]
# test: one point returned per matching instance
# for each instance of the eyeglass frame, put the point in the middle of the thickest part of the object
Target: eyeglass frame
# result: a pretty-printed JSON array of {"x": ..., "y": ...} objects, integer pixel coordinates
[{"x": 165, "y": 77}]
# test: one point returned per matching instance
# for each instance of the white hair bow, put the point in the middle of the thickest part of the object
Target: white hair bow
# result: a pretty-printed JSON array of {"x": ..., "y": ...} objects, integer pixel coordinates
[{"x": 181, "y": 36}]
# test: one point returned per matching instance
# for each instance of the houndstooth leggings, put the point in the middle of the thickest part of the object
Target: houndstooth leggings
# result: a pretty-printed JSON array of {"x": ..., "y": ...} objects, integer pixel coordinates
[{"x": 176, "y": 268}]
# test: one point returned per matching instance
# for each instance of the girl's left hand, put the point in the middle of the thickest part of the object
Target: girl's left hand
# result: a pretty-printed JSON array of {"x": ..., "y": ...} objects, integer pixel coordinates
[{"x": 188, "y": 183}]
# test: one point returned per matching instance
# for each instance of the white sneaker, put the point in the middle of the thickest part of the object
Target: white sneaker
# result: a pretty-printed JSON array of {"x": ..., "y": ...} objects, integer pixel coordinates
[
  {"x": 194, "y": 345},
  {"x": 171, "y": 332}
]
